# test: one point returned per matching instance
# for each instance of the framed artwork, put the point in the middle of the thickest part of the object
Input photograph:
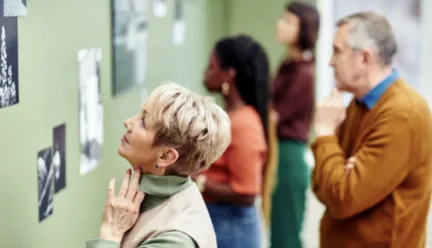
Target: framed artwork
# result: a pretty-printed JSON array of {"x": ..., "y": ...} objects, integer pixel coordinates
[
  {"x": 129, "y": 44},
  {"x": 45, "y": 178},
  {"x": 90, "y": 109},
  {"x": 14, "y": 8},
  {"x": 9, "y": 90}
]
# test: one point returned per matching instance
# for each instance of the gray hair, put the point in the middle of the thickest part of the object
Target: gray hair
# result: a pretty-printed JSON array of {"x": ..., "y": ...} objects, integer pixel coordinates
[{"x": 371, "y": 30}]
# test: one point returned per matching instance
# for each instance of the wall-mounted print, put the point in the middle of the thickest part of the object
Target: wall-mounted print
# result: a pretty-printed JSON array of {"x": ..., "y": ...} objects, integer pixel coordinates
[
  {"x": 160, "y": 8},
  {"x": 45, "y": 176},
  {"x": 129, "y": 43},
  {"x": 14, "y": 8},
  {"x": 59, "y": 157},
  {"x": 90, "y": 109},
  {"x": 9, "y": 90},
  {"x": 179, "y": 27}
]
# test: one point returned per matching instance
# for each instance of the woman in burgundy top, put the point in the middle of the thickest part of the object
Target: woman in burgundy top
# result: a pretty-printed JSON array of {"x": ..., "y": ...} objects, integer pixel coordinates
[{"x": 293, "y": 100}]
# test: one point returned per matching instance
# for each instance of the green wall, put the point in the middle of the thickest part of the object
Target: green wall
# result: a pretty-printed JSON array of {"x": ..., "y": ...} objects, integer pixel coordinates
[
  {"x": 258, "y": 18},
  {"x": 49, "y": 39}
]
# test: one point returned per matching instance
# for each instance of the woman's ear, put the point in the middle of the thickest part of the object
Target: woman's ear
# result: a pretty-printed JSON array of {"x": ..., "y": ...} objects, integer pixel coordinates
[
  {"x": 167, "y": 157},
  {"x": 232, "y": 74}
]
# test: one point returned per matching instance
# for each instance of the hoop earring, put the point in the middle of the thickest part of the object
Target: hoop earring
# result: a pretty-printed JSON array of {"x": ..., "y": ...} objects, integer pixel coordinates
[{"x": 225, "y": 88}]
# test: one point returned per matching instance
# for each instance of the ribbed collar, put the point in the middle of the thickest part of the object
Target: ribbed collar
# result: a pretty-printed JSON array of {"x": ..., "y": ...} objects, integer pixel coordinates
[{"x": 159, "y": 188}]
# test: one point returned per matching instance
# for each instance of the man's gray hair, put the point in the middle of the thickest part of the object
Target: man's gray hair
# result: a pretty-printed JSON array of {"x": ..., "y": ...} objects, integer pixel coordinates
[{"x": 371, "y": 30}]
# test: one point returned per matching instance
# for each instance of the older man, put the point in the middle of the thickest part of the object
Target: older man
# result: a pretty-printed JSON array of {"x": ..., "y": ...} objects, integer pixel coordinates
[{"x": 374, "y": 159}]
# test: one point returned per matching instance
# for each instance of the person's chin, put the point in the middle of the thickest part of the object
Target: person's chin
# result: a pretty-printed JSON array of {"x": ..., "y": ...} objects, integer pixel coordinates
[{"x": 121, "y": 151}]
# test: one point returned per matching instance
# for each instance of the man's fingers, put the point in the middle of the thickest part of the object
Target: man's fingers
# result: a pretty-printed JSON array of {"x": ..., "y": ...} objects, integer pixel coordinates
[
  {"x": 125, "y": 184},
  {"x": 133, "y": 186},
  {"x": 337, "y": 97},
  {"x": 352, "y": 160},
  {"x": 350, "y": 163},
  {"x": 348, "y": 167},
  {"x": 335, "y": 92},
  {"x": 139, "y": 197},
  {"x": 111, "y": 188}
]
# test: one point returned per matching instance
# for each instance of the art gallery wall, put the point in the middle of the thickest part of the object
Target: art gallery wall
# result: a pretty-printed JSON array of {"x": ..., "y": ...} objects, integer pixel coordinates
[
  {"x": 258, "y": 18},
  {"x": 49, "y": 39}
]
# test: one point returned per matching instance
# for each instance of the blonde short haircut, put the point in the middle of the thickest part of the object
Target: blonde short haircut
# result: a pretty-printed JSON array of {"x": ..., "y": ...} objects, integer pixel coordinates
[{"x": 193, "y": 124}]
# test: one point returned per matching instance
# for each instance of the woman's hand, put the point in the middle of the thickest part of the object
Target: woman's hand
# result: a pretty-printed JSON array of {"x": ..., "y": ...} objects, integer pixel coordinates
[{"x": 121, "y": 212}]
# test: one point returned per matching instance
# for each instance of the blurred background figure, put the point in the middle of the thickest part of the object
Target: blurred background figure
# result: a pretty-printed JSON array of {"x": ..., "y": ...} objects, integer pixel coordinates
[
  {"x": 293, "y": 100},
  {"x": 239, "y": 69}
]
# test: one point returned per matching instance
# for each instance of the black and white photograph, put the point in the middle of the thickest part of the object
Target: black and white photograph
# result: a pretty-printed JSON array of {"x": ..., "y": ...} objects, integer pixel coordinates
[
  {"x": 14, "y": 8},
  {"x": 179, "y": 27},
  {"x": 45, "y": 178},
  {"x": 9, "y": 90},
  {"x": 90, "y": 109},
  {"x": 130, "y": 35},
  {"x": 160, "y": 8},
  {"x": 59, "y": 157}
]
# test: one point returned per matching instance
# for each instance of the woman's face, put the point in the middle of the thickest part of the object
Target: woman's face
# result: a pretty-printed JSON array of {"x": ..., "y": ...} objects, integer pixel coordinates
[
  {"x": 288, "y": 27},
  {"x": 214, "y": 75},
  {"x": 137, "y": 143}
]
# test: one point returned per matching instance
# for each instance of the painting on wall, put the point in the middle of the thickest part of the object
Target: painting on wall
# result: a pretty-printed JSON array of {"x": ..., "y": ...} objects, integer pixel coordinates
[
  {"x": 9, "y": 90},
  {"x": 129, "y": 41},
  {"x": 160, "y": 8},
  {"x": 179, "y": 27},
  {"x": 14, "y": 8},
  {"x": 90, "y": 109},
  {"x": 59, "y": 157},
  {"x": 405, "y": 18},
  {"x": 45, "y": 178}
]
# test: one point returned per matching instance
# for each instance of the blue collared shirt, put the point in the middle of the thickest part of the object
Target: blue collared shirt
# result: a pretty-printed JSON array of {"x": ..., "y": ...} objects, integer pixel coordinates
[{"x": 372, "y": 97}]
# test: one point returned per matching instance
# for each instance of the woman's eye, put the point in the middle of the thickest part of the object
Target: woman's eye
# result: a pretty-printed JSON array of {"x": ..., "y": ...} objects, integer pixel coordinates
[{"x": 142, "y": 122}]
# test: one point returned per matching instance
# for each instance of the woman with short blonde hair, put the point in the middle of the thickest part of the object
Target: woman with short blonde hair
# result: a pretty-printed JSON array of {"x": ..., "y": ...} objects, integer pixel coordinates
[{"x": 178, "y": 132}]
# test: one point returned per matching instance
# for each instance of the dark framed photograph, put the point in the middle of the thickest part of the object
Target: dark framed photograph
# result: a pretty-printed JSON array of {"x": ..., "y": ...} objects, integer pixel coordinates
[
  {"x": 9, "y": 90},
  {"x": 129, "y": 44},
  {"x": 45, "y": 182},
  {"x": 59, "y": 157}
]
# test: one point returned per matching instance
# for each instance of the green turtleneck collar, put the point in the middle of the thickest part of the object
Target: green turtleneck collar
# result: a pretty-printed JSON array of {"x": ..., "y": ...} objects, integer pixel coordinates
[{"x": 159, "y": 188}]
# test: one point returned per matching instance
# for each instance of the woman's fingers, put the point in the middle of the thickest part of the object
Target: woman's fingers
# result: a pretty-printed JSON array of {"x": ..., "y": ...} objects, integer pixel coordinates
[
  {"x": 133, "y": 186},
  {"x": 111, "y": 188},
  {"x": 125, "y": 184}
]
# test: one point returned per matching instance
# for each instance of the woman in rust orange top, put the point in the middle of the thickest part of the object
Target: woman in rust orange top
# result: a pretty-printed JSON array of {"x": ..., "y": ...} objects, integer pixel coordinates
[{"x": 239, "y": 69}]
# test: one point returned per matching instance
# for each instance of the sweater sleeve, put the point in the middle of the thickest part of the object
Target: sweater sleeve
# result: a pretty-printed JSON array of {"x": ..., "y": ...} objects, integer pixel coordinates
[
  {"x": 173, "y": 239},
  {"x": 382, "y": 163},
  {"x": 101, "y": 243}
]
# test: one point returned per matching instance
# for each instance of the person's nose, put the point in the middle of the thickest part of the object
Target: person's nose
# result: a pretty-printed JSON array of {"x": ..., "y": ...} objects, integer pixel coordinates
[
  {"x": 128, "y": 124},
  {"x": 331, "y": 62}
]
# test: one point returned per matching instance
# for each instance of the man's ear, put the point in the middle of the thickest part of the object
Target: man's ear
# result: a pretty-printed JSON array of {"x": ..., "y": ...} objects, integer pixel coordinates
[
  {"x": 167, "y": 157},
  {"x": 367, "y": 56}
]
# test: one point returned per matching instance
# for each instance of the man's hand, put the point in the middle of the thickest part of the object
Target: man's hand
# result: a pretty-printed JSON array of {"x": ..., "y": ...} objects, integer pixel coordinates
[
  {"x": 329, "y": 114},
  {"x": 350, "y": 163},
  {"x": 121, "y": 211}
]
